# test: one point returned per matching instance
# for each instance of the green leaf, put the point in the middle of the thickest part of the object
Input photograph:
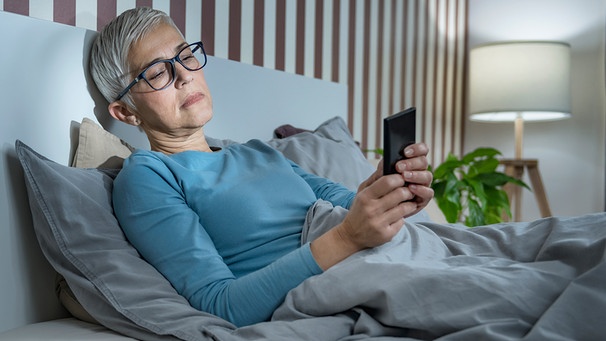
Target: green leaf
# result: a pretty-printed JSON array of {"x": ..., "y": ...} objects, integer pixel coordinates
[
  {"x": 487, "y": 165},
  {"x": 519, "y": 183},
  {"x": 480, "y": 153},
  {"x": 494, "y": 179},
  {"x": 470, "y": 189},
  {"x": 496, "y": 197},
  {"x": 378, "y": 151},
  {"x": 438, "y": 188},
  {"x": 476, "y": 215},
  {"x": 506, "y": 207},
  {"x": 472, "y": 171},
  {"x": 446, "y": 168},
  {"x": 492, "y": 218},
  {"x": 453, "y": 186},
  {"x": 477, "y": 187},
  {"x": 450, "y": 209}
]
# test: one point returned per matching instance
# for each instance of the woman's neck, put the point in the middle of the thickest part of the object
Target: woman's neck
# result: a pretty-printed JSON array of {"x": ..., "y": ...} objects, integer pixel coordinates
[{"x": 170, "y": 144}]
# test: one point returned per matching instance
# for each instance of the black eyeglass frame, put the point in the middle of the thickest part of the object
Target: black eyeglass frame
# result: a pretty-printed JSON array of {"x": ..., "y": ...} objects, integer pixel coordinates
[{"x": 172, "y": 61}]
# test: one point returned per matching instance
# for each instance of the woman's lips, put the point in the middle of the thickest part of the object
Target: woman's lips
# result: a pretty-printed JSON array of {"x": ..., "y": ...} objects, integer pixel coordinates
[{"x": 192, "y": 99}]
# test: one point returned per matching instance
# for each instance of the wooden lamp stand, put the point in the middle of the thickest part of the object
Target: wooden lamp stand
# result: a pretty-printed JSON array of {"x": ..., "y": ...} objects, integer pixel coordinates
[{"x": 515, "y": 168}]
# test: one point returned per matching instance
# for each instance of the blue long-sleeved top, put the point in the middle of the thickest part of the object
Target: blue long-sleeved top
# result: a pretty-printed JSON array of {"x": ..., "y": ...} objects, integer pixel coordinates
[{"x": 223, "y": 227}]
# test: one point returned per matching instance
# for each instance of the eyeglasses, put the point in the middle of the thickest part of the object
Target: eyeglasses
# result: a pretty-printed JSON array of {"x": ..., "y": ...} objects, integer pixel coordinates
[{"x": 161, "y": 73}]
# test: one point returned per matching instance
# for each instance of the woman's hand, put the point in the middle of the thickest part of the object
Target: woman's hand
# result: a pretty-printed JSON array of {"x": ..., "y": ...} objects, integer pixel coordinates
[
  {"x": 379, "y": 208},
  {"x": 414, "y": 171},
  {"x": 375, "y": 216}
]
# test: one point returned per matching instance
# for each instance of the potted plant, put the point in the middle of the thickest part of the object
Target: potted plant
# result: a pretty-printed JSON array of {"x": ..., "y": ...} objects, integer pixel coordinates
[{"x": 470, "y": 189}]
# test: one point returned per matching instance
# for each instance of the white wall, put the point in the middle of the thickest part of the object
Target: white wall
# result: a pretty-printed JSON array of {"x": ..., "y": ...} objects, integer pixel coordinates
[{"x": 570, "y": 152}]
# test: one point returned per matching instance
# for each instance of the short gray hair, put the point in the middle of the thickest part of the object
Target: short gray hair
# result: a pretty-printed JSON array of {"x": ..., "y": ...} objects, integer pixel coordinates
[{"x": 109, "y": 66}]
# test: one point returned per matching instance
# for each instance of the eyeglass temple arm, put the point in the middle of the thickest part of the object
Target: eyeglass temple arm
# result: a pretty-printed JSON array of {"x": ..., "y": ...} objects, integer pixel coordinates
[{"x": 120, "y": 95}]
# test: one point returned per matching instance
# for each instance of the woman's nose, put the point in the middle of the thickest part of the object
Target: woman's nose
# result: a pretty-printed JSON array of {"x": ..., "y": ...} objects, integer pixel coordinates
[{"x": 182, "y": 75}]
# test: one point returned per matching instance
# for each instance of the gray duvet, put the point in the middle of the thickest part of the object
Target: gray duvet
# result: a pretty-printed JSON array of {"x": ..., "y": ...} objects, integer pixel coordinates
[{"x": 544, "y": 280}]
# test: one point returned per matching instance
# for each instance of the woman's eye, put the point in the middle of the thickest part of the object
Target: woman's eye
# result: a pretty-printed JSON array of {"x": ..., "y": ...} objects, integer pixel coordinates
[{"x": 157, "y": 74}]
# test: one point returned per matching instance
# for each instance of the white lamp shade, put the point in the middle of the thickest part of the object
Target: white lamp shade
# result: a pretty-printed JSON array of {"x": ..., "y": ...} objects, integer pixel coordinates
[{"x": 530, "y": 80}]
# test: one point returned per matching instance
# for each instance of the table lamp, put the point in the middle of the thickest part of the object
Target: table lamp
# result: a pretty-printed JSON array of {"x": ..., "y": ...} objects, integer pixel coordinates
[{"x": 517, "y": 82}]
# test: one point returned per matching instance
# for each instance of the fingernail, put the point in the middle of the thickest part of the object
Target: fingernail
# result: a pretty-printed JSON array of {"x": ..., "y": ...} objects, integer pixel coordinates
[{"x": 408, "y": 151}]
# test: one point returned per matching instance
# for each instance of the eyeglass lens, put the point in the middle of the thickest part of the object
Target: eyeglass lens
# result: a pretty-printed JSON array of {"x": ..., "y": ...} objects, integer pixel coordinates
[{"x": 160, "y": 74}]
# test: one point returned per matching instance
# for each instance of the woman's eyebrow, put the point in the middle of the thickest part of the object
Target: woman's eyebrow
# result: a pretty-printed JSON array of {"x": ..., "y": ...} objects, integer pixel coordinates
[
  {"x": 177, "y": 49},
  {"x": 181, "y": 47}
]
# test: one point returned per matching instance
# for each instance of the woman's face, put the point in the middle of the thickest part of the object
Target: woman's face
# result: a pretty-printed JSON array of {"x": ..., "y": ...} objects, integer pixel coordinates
[{"x": 182, "y": 108}]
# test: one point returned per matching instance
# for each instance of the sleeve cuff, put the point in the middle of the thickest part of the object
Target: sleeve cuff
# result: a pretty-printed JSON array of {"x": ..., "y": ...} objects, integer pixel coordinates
[{"x": 308, "y": 259}]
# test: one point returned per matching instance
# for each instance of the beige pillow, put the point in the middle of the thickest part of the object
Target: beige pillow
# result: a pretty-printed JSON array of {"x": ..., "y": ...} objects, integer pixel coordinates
[
  {"x": 98, "y": 148},
  {"x": 70, "y": 302}
]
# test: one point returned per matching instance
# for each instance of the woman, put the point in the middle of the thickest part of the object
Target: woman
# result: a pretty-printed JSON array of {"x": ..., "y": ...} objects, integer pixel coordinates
[{"x": 224, "y": 225}]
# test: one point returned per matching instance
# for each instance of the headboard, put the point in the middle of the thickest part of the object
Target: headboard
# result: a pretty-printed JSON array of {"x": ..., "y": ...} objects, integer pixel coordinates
[{"x": 46, "y": 88}]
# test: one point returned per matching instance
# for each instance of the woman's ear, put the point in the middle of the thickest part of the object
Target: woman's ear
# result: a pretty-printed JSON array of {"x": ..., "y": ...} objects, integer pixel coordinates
[{"x": 122, "y": 113}]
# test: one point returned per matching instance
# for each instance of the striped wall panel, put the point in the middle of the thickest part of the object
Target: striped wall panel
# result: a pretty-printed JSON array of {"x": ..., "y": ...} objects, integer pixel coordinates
[{"x": 392, "y": 54}]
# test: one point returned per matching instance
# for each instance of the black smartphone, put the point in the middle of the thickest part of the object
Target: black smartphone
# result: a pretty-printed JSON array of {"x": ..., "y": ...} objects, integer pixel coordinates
[{"x": 398, "y": 132}]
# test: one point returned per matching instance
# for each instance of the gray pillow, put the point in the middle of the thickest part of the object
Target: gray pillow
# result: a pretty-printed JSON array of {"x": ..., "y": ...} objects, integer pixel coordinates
[
  {"x": 79, "y": 235},
  {"x": 329, "y": 151}
]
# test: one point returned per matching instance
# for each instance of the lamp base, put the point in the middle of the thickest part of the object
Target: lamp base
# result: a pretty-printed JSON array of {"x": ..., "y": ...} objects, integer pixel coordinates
[{"x": 515, "y": 168}]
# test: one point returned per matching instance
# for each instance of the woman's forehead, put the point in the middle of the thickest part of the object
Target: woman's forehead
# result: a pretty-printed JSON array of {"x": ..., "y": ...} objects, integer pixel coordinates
[{"x": 161, "y": 42}]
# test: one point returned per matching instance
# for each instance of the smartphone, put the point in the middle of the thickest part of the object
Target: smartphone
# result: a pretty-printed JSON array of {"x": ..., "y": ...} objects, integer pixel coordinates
[{"x": 398, "y": 132}]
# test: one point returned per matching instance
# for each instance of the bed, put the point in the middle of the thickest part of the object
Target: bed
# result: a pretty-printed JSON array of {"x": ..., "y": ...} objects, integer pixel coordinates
[{"x": 61, "y": 151}]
